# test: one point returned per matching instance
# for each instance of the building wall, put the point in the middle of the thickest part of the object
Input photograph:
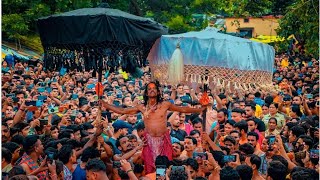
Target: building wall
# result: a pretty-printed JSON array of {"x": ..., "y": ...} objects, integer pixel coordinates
[{"x": 261, "y": 26}]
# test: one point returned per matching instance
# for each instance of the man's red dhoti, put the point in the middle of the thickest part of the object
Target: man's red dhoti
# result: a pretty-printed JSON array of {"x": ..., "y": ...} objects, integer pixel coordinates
[{"x": 156, "y": 146}]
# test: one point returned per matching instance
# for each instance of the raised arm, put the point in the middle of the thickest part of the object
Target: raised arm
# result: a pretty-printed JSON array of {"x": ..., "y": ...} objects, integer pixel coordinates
[
  {"x": 172, "y": 107},
  {"x": 119, "y": 110}
]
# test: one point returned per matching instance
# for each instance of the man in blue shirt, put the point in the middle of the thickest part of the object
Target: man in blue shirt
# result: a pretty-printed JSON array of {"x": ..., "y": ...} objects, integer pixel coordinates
[{"x": 120, "y": 129}]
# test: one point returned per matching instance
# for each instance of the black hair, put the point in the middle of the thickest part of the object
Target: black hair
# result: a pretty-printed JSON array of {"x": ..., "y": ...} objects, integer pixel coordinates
[
  {"x": 29, "y": 142},
  {"x": 193, "y": 132},
  {"x": 255, "y": 160},
  {"x": 230, "y": 139},
  {"x": 196, "y": 121},
  {"x": 192, "y": 163},
  {"x": 235, "y": 131},
  {"x": 138, "y": 168},
  {"x": 53, "y": 127},
  {"x": 253, "y": 134},
  {"x": 306, "y": 139},
  {"x": 90, "y": 153},
  {"x": 17, "y": 170},
  {"x": 275, "y": 105},
  {"x": 181, "y": 146},
  {"x": 296, "y": 109},
  {"x": 96, "y": 165},
  {"x": 272, "y": 118},
  {"x": 246, "y": 148},
  {"x": 118, "y": 140},
  {"x": 66, "y": 133},
  {"x": 231, "y": 122},
  {"x": 290, "y": 125},
  {"x": 252, "y": 106},
  {"x": 252, "y": 119},
  {"x": 301, "y": 173},
  {"x": 74, "y": 143},
  {"x": 228, "y": 173},
  {"x": 145, "y": 95},
  {"x": 222, "y": 96},
  {"x": 257, "y": 94},
  {"x": 21, "y": 126},
  {"x": 65, "y": 153},
  {"x": 200, "y": 178},
  {"x": 59, "y": 167},
  {"x": 87, "y": 126},
  {"x": 277, "y": 171},
  {"x": 194, "y": 141},
  {"x": 297, "y": 131},
  {"x": 224, "y": 148},
  {"x": 242, "y": 125},
  {"x": 6, "y": 154},
  {"x": 11, "y": 146},
  {"x": 238, "y": 110},
  {"x": 281, "y": 159},
  {"x": 19, "y": 139},
  {"x": 224, "y": 110},
  {"x": 178, "y": 174},
  {"x": 245, "y": 172},
  {"x": 162, "y": 161},
  {"x": 132, "y": 136},
  {"x": 74, "y": 128}
]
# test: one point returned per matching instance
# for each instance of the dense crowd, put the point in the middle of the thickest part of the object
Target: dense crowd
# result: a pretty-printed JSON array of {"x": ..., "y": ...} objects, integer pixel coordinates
[{"x": 54, "y": 127}]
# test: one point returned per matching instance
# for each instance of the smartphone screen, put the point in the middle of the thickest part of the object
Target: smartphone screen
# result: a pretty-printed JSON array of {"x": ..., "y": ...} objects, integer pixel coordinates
[
  {"x": 289, "y": 146},
  {"x": 161, "y": 171},
  {"x": 116, "y": 103},
  {"x": 271, "y": 140},
  {"x": 43, "y": 122},
  {"x": 229, "y": 158},
  {"x": 41, "y": 89},
  {"x": 200, "y": 155},
  {"x": 314, "y": 153},
  {"x": 31, "y": 103}
]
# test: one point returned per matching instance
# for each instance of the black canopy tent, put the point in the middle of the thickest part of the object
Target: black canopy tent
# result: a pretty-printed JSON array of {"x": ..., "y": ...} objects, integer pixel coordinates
[{"x": 99, "y": 35}]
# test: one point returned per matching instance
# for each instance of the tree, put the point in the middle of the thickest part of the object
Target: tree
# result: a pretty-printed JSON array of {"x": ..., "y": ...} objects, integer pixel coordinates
[
  {"x": 14, "y": 26},
  {"x": 302, "y": 20},
  {"x": 245, "y": 8}
]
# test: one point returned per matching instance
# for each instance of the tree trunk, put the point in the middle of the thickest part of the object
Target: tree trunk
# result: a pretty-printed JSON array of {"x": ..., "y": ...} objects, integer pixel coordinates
[
  {"x": 134, "y": 8},
  {"x": 19, "y": 43}
]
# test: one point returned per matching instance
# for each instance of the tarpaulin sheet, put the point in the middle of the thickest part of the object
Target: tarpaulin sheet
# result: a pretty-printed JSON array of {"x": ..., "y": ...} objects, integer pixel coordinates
[
  {"x": 211, "y": 48},
  {"x": 98, "y": 25}
]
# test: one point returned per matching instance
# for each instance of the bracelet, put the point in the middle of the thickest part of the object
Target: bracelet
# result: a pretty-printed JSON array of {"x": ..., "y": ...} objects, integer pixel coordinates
[{"x": 130, "y": 170}]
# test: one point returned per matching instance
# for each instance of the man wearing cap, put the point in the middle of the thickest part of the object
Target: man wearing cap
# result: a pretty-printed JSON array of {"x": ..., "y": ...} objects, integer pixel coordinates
[
  {"x": 156, "y": 134},
  {"x": 120, "y": 129}
]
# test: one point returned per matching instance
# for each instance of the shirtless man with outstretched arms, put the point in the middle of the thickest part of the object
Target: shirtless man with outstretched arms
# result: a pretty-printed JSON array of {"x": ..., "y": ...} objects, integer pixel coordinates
[{"x": 155, "y": 119}]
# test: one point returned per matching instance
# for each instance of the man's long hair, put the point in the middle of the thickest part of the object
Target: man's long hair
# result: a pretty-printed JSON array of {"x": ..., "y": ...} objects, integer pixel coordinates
[{"x": 145, "y": 96}]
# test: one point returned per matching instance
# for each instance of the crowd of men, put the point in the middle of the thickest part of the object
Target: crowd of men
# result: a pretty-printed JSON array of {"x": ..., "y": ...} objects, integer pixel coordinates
[{"x": 54, "y": 127}]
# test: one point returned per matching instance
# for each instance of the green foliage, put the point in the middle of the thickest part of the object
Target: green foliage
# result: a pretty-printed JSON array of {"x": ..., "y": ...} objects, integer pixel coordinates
[
  {"x": 302, "y": 20},
  {"x": 245, "y": 8},
  {"x": 177, "y": 24},
  {"x": 14, "y": 25}
]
